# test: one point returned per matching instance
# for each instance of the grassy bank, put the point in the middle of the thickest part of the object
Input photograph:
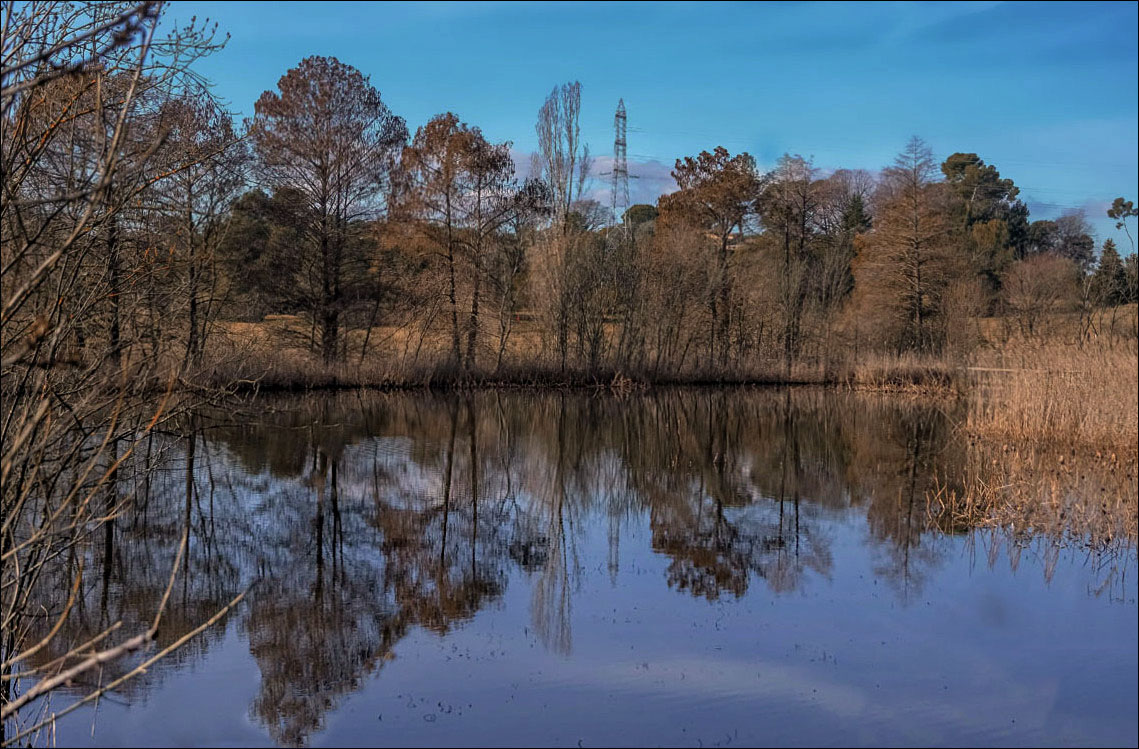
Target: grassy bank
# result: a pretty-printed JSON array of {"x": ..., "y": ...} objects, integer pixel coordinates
[
  {"x": 298, "y": 371},
  {"x": 276, "y": 355}
]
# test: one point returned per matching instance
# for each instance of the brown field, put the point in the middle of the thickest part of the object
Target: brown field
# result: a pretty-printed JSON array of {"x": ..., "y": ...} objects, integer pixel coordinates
[{"x": 277, "y": 353}]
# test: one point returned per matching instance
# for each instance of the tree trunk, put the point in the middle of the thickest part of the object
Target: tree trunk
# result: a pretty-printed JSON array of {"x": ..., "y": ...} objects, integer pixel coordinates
[
  {"x": 329, "y": 334},
  {"x": 473, "y": 321},
  {"x": 192, "y": 344},
  {"x": 725, "y": 295},
  {"x": 456, "y": 348},
  {"x": 113, "y": 275}
]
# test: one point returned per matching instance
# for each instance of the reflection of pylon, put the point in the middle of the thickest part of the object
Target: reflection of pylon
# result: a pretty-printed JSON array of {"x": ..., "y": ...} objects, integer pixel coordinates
[{"x": 620, "y": 166}]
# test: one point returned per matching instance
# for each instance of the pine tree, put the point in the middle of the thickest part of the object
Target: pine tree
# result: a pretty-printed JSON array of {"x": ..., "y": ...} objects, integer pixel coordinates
[{"x": 1110, "y": 280}]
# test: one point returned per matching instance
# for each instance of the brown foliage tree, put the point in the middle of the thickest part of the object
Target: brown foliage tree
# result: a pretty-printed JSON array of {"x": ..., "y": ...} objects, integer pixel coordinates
[
  {"x": 904, "y": 266},
  {"x": 717, "y": 193},
  {"x": 457, "y": 191},
  {"x": 790, "y": 207},
  {"x": 327, "y": 134},
  {"x": 1038, "y": 287}
]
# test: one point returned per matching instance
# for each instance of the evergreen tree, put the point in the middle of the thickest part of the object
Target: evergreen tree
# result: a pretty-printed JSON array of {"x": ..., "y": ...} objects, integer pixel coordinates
[
  {"x": 987, "y": 221},
  {"x": 1110, "y": 280}
]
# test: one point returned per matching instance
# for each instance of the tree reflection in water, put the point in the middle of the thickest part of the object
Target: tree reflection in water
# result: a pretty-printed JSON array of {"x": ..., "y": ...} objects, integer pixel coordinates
[{"x": 360, "y": 518}]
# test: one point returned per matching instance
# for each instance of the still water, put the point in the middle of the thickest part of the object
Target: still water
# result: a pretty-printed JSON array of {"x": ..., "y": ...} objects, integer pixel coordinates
[{"x": 694, "y": 568}]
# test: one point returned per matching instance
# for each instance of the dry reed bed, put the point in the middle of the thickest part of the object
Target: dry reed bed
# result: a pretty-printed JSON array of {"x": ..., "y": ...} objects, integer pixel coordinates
[
  {"x": 909, "y": 373},
  {"x": 260, "y": 368},
  {"x": 274, "y": 355},
  {"x": 1060, "y": 397},
  {"x": 1053, "y": 446}
]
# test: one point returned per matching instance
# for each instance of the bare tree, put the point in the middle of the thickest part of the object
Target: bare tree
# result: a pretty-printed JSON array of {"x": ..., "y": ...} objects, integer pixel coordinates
[
  {"x": 679, "y": 276},
  {"x": 508, "y": 259},
  {"x": 789, "y": 207},
  {"x": 1074, "y": 239},
  {"x": 1037, "y": 288},
  {"x": 207, "y": 165},
  {"x": 717, "y": 193},
  {"x": 842, "y": 218},
  {"x": 563, "y": 160},
  {"x": 328, "y": 135},
  {"x": 82, "y": 89}
]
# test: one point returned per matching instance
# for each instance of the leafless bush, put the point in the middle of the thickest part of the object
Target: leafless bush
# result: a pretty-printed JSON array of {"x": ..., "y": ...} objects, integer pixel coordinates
[{"x": 90, "y": 143}]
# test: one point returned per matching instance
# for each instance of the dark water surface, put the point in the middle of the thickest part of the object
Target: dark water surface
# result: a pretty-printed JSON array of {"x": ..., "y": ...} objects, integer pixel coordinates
[{"x": 694, "y": 568}]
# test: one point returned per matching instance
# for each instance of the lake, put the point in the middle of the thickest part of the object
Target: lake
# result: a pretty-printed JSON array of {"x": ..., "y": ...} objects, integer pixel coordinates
[{"x": 680, "y": 567}]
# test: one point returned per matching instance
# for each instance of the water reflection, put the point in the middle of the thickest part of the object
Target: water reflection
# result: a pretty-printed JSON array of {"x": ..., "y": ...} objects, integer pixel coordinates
[{"x": 361, "y": 518}]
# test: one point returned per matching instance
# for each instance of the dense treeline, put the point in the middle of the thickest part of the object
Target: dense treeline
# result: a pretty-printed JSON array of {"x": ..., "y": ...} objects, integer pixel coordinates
[
  {"x": 736, "y": 268},
  {"x": 324, "y": 207}
]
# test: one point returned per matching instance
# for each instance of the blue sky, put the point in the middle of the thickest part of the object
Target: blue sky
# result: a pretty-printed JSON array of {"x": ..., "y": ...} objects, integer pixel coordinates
[{"x": 1045, "y": 91}]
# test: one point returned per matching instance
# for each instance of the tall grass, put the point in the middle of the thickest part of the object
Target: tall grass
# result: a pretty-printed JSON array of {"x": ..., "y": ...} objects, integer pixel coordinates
[
  {"x": 1059, "y": 397},
  {"x": 1053, "y": 449},
  {"x": 905, "y": 373},
  {"x": 274, "y": 356}
]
